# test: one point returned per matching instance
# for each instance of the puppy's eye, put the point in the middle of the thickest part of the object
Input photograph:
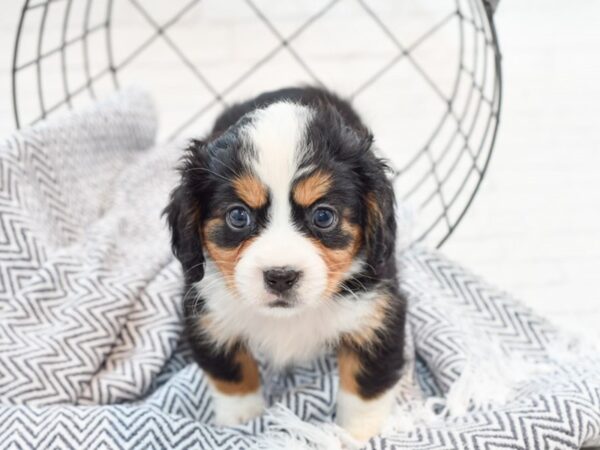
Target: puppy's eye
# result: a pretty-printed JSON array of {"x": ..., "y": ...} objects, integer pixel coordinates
[
  {"x": 238, "y": 218},
  {"x": 324, "y": 218}
]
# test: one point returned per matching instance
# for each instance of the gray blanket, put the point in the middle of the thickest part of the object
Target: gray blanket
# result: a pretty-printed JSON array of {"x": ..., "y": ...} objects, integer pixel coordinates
[{"x": 90, "y": 347}]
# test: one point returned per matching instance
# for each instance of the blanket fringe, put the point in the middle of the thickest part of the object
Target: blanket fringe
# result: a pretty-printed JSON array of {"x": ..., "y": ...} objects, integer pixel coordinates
[{"x": 286, "y": 431}]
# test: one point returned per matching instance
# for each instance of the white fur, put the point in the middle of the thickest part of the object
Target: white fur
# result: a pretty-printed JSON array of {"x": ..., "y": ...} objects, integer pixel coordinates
[
  {"x": 280, "y": 246},
  {"x": 363, "y": 419},
  {"x": 232, "y": 410},
  {"x": 276, "y": 133},
  {"x": 285, "y": 339}
]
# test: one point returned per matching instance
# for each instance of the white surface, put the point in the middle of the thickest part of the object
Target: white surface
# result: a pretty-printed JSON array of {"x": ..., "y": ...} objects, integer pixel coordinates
[{"x": 534, "y": 228}]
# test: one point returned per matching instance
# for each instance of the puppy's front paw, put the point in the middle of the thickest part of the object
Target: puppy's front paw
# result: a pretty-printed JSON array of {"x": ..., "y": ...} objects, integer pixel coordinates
[
  {"x": 362, "y": 431},
  {"x": 233, "y": 410},
  {"x": 363, "y": 419}
]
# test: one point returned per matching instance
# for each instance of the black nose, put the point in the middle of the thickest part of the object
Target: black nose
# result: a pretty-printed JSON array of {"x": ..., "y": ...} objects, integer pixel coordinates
[{"x": 280, "y": 280}]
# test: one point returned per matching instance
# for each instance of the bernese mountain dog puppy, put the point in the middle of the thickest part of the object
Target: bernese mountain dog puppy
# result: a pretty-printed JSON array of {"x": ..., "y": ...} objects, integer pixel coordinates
[{"x": 284, "y": 224}]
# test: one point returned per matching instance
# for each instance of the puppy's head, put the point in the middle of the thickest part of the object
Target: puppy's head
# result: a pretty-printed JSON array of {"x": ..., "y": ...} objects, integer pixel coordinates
[{"x": 287, "y": 205}]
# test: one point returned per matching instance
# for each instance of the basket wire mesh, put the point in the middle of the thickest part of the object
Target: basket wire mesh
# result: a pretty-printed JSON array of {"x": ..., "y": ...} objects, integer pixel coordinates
[{"x": 386, "y": 59}]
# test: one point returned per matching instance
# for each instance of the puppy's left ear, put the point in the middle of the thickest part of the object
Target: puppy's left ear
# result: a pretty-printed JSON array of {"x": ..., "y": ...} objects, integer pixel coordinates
[{"x": 380, "y": 219}]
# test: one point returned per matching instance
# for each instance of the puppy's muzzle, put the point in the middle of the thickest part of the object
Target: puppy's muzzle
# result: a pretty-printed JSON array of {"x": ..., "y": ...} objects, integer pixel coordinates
[{"x": 280, "y": 280}]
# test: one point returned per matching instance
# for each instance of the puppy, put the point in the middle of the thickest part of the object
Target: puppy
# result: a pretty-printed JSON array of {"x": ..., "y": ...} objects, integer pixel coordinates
[{"x": 284, "y": 224}]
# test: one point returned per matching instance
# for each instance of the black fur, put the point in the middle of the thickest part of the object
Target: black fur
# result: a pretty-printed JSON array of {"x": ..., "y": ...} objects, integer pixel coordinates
[
  {"x": 182, "y": 215},
  {"x": 343, "y": 147}
]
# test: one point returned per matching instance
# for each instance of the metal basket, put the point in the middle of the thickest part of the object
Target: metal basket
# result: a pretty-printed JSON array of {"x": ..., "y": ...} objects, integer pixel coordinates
[{"x": 426, "y": 75}]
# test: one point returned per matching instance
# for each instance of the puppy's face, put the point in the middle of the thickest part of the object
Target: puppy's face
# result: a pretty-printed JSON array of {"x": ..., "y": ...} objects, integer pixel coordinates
[{"x": 287, "y": 206}]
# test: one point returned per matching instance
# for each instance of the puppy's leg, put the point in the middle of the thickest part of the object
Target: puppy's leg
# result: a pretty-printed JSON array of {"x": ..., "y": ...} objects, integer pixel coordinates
[
  {"x": 235, "y": 382},
  {"x": 366, "y": 395}
]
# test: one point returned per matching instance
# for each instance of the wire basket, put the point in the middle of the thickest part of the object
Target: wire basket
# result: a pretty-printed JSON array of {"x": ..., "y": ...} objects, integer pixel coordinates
[{"x": 425, "y": 75}]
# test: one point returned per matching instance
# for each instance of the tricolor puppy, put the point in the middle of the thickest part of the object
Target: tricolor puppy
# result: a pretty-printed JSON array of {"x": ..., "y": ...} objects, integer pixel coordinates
[{"x": 284, "y": 224}]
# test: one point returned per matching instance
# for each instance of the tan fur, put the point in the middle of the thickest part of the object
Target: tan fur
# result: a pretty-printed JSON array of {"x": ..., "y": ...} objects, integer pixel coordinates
[
  {"x": 349, "y": 368},
  {"x": 225, "y": 258},
  {"x": 366, "y": 336},
  {"x": 251, "y": 190},
  {"x": 339, "y": 260},
  {"x": 348, "y": 362},
  {"x": 374, "y": 216},
  {"x": 312, "y": 188},
  {"x": 250, "y": 378}
]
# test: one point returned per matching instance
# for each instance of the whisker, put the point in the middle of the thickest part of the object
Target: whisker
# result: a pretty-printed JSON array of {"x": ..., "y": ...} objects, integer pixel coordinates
[
  {"x": 193, "y": 267},
  {"x": 192, "y": 169},
  {"x": 234, "y": 172},
  {"x": 353, "y": 294}
]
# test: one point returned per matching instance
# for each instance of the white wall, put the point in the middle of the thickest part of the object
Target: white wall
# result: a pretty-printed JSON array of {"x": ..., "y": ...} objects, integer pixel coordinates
[{"x": 535, "y": 227}]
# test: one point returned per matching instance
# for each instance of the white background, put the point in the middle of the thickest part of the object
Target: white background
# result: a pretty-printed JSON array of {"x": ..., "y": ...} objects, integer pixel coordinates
[{"x": 534, "y": 229}]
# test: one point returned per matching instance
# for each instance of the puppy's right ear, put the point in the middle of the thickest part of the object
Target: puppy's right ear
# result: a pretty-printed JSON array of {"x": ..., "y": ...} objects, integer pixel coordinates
[{"x": 184, "y": 220}]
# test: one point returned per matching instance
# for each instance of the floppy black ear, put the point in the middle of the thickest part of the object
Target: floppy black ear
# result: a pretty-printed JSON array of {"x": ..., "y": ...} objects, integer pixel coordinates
[
  {"x": 380, "y": 220},
  {"x": 184, "y": 219}
]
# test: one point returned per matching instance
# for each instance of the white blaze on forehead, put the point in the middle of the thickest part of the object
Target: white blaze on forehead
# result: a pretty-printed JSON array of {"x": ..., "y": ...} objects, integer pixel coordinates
[{"x": 277, "y": 135}]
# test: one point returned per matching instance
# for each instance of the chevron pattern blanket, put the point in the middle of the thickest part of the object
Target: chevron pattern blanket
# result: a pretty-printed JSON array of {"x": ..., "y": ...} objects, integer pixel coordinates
[{"x": 90, "y": 348}]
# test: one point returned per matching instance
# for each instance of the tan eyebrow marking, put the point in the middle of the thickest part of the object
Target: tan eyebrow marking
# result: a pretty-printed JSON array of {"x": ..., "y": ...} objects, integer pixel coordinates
[
  {"x": 251, "y": 190},
  {"x": 312, "y": 188}
]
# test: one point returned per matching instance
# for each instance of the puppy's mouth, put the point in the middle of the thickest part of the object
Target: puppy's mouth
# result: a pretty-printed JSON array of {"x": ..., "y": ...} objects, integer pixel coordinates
[
  {"x": 281, "y": 303},
  {"x": 284, "y": 301}
]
